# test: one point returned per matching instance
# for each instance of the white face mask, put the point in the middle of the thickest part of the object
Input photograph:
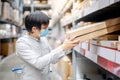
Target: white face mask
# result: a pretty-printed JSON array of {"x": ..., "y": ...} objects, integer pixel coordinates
[{"x": 44, "y": 32}]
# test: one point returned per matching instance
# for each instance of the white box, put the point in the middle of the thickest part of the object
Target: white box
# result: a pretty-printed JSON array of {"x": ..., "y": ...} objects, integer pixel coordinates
[
  {"x": 117, "y": 57},
  {"x": 107, "y": 53},
  {"x": 93, "y": 49},
  {"x": 118, "y": 47},
  {"x": 91, "y": 56},
  {"x": 119, "y": 38}
]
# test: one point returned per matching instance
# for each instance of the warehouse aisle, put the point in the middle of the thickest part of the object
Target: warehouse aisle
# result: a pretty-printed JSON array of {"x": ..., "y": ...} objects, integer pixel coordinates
[{"x": 95, "y": 24}]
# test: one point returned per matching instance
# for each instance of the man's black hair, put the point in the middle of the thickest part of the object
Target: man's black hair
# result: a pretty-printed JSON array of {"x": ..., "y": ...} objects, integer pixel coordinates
[{"x": 36, "y": 19}]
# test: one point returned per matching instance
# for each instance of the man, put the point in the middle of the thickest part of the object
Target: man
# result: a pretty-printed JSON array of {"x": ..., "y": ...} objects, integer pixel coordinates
[{"x": 34, "y": 49}]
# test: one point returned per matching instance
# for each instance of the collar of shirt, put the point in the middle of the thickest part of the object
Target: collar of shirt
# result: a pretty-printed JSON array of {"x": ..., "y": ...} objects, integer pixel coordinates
[{"x": 33, "y": 38}]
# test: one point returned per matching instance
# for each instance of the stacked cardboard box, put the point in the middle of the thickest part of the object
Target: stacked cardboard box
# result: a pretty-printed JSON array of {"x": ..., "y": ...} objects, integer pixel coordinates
[
  {"x": 95, "y": 30},
  {"x": 6, "y": 10},
  {"x": 107, "y": 37},
  {"x": 43, "y": 2},
  {"x": 5, "y": 30},
  {"x": 16, "y": 15},
  {"x": 10, "y": 14},
  {"x": 6, "y": 47},
  {"x": 118, "y": 43},
  {"x": 0, "y": 8},
  {"x": 106, "y": 43},
  {"x": 64, "y": 68}
]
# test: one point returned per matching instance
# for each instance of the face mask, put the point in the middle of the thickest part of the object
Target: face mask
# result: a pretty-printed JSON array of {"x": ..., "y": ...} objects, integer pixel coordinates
[{"x": 44, "y": 33}]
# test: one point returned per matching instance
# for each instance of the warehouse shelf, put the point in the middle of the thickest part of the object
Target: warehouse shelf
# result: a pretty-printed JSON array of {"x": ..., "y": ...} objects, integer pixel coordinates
[
  {"x": 8, "y": 37},
  {"x": 107, "y": 58},
  {"x": 16, "y": 5},
  {"x": 36, "y": 7},
  {"x": 100, "y": 11},
  {"x": 4, "y": 21},
  {"x": 97, "y": 12}
]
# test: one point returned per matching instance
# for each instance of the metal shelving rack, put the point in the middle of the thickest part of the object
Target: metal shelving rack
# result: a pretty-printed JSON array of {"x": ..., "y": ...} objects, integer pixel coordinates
[
  {"x": 31, "y": 7},
  {"x": 19, "y": 7},
  {"x": 101, "y": 10}
]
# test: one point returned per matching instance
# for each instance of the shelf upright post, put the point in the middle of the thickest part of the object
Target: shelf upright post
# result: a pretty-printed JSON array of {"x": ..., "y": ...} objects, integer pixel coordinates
[
  {"x": 74, "y": 57},
  {"x": 32, "y": 6}
]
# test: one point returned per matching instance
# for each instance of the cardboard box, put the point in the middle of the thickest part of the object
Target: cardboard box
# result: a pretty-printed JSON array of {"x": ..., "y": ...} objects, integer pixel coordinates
[
  {"x": 79, "y": 1},
  {"x": 118, "y": 47},
  {"x": 64, "y": 68},
  {"x": 119, "y": 38},
  {"x": 0, "y": 8},
  {"x": 88, "y": 36},
  {"x": 6, "y": 10},
  {"x": 11, "y": 14},
  {"x": 16, "y": 15},
  {"x": 43, "y": 2},
  {"x": 95, "y": 30},
  {"x": 107, "y": 37},
  {"x": 117, "y": 57},
  {"x": 106, "y": 43},
  {"x": 6, "y": 47},
  {"x": 106, "y": 53},
  {"x": 111, "y": 44}
]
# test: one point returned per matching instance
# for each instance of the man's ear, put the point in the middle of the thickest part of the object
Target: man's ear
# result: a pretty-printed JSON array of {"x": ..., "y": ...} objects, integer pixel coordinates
[{"x": 33, "y": 29}]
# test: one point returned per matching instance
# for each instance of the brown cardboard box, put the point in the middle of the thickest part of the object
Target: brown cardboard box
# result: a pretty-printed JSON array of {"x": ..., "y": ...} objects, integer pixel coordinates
[
  {"x": 65, "y": 67},
  {"x": 107, "y": 37},
  {"x": 79, "y": 1},
  {"x": 95, "y": 30},
  {"x": 43, "y": 2},
  {"x": 106, "y": 43},
  {"x": 0, "y": 8},
  {"x": 98, "y": 33},
  {"x": 6, "y": 10},
  {"x": 6, "y": 47},
  {"x": 11, "y": 14},
  {"x": 16, "y": 15}
]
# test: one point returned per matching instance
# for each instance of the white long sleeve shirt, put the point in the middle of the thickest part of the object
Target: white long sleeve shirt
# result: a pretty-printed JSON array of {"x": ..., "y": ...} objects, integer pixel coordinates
[{"x": 37, "y": 57}]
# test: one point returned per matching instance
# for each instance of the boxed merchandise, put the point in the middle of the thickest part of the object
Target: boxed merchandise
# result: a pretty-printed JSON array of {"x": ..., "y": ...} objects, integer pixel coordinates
[
  {"x": 95, "y": 30},
  {"x": 118, "y": 46},
  {"x": 79, "y": 1},
  {"x": 20, "y": 19},
  {"x": 43, "y": 2},
  {"x": 6, "y": 10},
  {"x": 5, "y": 30},
  {"x": 11, "y": 14},
  {"x": 119, "y": 38},
  {"x": 16, "y": 15},
  {"x": 64, "y": 68},
  {"x": 0, "y": 8},
  {"x": 106, "y": 43},
  {"x": 6, "y": 47},
  {"x": 107, "y": 37}
]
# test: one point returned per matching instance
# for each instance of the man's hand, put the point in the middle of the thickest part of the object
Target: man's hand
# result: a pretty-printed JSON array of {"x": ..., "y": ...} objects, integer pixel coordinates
[{"x": 69, "y": 44}]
